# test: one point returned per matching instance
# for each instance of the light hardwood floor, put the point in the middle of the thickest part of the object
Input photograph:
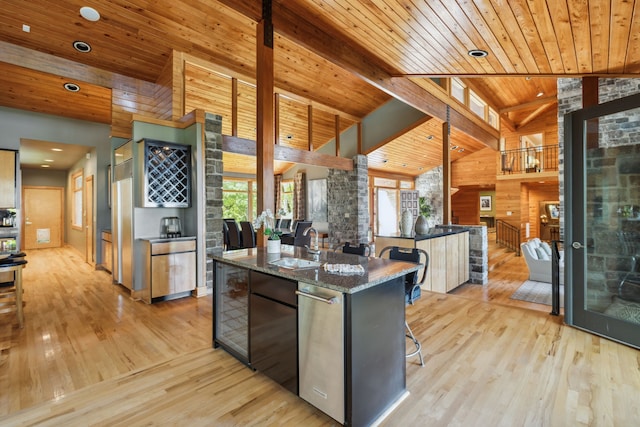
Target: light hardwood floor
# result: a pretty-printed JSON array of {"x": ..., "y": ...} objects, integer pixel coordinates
[{"x": 88, "y": 355}]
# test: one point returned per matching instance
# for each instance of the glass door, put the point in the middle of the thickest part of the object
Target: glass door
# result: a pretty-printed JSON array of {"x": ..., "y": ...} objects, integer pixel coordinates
[{"x": 602, "y": 242}]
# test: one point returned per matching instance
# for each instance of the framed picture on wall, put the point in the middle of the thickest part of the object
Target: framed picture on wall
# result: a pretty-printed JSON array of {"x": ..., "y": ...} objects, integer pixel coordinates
[
  {"x": 317, "y": 200},
  {"x": 485, "y": 203}
]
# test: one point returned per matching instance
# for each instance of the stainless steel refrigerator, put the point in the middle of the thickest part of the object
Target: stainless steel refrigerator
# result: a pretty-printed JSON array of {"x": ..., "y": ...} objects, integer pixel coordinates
[{"x": 122, "y": 224}]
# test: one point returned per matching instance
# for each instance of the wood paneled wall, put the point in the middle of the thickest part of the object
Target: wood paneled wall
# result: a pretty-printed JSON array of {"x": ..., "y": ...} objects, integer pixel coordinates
[
  {"x": 465, "y": 206},
  {"x": 136, "y": 100},
  {"x": 546, "y": 124},
  {"x": 479, "y": 168},
  {"x": 508, "y": 199},
  {"x": 538, "y": 193}
]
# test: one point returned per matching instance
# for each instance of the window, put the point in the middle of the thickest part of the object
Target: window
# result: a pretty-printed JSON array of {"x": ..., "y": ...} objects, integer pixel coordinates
[
  {"x": 385, "y": 204},
  {"x": 76, "y": 220},
  {"x": 285, "y": 209},
  {"x": 477, "y": 104},
  {"x": 492, "y": 118},
  {"x": 458, "y": 89},
  {"x": 239, "y": 199}
]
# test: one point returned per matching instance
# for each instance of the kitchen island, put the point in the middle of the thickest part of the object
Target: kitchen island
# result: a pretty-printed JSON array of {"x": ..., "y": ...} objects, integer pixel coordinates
[
  {"x": 448, "y": 249},
  {"x": 335, "y": 339}
]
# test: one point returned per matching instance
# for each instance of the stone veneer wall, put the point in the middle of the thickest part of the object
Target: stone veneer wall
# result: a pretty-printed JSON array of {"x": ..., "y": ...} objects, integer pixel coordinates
[
  {"x": 348, "y": 203},
  {"x": 570, "y": 99},
  {"x": 478, "y": 252},
  {"x": 213, "y": 183},
  {"x": 429, "y": 185},
  {"x": 607, "y": 260}
]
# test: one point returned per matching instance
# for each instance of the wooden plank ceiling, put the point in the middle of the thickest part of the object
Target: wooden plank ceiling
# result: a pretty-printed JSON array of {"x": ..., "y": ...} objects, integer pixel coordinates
[{"x": 345, "y": 56}]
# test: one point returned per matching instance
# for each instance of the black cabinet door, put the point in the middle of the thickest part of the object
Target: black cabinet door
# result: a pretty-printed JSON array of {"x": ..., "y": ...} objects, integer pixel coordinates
[{"x": 273, "y": 340}]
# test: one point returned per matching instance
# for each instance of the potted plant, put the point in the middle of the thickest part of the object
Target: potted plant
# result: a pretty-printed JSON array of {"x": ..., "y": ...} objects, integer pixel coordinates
[{"x": 267, "y": 221}]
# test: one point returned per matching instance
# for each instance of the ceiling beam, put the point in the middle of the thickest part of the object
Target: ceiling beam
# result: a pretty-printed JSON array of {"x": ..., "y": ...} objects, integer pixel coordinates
[
  {"x": 283, "y": 153},
  {"x": 536, "y": 113},
  {"x": 526, "y": 105},
  {"x": 346, "y": 55}
]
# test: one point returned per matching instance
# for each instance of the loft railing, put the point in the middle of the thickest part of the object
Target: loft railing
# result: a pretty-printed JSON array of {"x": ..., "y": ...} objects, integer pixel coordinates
[
  {"x": 528, "y": 160},
  {"x": 508, "y": 235}
]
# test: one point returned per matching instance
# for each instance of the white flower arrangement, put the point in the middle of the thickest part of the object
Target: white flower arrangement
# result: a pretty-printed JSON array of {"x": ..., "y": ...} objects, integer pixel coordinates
[{"x": 267, "y": 219}]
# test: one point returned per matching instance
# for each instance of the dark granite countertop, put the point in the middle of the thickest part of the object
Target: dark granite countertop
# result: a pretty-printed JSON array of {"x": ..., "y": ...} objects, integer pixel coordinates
[
  {"x": 167, "y": 239},
  {"x": 376, "y": 270},
  {"x": 432, "y": 233}
]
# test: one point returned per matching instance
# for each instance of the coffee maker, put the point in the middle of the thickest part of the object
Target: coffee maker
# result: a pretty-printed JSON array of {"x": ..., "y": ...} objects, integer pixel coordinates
[{"x": 170, "y": 227}]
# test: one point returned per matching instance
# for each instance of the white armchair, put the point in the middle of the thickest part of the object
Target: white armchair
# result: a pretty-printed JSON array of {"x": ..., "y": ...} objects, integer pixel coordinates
[{"x": 537, "y": 255}]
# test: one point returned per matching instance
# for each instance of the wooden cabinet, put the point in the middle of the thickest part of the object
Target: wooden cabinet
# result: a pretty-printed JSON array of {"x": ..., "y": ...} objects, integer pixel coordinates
[
  {"x": 107, "y": 251},
  {"x": 171, "y": 268},
  {"x": 8, "y": 179},
  {"x": 448, "y": 259}
]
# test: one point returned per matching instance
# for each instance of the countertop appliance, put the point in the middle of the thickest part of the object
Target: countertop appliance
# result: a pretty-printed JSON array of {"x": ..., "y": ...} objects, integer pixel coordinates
[{"x": 170, "y": 227}]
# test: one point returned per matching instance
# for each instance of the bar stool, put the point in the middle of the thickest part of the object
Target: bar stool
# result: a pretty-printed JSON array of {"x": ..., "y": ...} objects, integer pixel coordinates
[
  {"x": 362, "y": 249},
  {"x": 412, "y": 290},
  {"x": 11, "y": 292}
]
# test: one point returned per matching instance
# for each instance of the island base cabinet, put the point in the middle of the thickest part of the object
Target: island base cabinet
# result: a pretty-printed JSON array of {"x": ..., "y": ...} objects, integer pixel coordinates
[
  {"x": 272, "y": 328},
  {"x": 321, "y": 349},
  {"x": 375, "y": 351}
]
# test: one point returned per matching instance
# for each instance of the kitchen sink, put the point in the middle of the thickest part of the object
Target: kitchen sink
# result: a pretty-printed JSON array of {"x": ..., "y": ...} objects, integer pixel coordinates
[{"x": 295, "y": 263}]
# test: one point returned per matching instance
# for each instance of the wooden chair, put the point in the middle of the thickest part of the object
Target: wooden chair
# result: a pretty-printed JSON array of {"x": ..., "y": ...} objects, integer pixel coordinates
[
  {"x": 412, "y": 291},
  {"x": 507, "y": 163}
]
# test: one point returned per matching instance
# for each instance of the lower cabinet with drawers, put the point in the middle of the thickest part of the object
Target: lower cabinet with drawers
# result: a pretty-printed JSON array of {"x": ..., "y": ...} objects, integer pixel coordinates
[{"x": 171, "y": 269}]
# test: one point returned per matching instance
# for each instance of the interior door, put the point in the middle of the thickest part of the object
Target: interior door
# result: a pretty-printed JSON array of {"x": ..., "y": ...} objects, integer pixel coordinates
[
  {"x": 602, "y": 247},
  {"x": 90, "y": 253},
  {"x": 43, "y": 217}
]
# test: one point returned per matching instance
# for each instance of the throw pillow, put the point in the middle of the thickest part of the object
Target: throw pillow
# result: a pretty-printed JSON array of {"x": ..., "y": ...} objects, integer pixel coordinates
[
  {"x": 541, "y": 254},
  {"x": 546, "y": 247}
]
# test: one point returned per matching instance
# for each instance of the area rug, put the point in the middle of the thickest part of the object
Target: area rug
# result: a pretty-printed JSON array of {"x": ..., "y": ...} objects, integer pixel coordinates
[{"x": 538, "y": 292}]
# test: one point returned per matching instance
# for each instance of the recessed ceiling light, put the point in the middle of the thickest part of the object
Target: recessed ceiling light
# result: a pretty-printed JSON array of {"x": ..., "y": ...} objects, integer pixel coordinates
[
  {"x": 385, "y": 161},
  {"x": 454, "y": 147},
  {"x": 404, "y": 165},
  {"x": 540, "y": 94},
  {"x": 528, "y": 78},
  {"x": 478, "y": 53},
  {"x": 56, "y": 149},
  {"x": 429, "y": 137},
  {"x": 89, "y": 13},
  {"x": 26, "y": 28},
  {"x": 45, "y": 166},
  {"x": 461, "y": 150},
  {"x": 48, "y": 160},
  {"x": 71, "y": 87},
  {"x": 289, "y": 136},
  {"x": 82, "y": 47}
]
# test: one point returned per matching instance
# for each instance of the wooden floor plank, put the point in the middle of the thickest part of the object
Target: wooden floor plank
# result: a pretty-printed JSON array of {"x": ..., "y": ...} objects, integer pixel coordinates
[{"x": 89, "y": 355}]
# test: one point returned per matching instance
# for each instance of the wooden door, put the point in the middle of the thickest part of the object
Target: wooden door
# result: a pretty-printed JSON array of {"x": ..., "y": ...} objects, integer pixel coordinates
[
  {"x": 43, "y": 217},
  {"x": 90, "y": 253}
]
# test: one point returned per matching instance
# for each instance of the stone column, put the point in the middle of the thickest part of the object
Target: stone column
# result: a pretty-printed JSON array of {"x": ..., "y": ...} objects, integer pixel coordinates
[
  {"x": 213, "y": 183},
  {"x": 348, "y": 203}
]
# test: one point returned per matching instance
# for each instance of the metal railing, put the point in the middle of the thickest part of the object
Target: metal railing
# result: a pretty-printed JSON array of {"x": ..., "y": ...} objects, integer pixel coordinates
[
  {"x": 528, "y": 160},
  {"x": 508, "y": 236}
]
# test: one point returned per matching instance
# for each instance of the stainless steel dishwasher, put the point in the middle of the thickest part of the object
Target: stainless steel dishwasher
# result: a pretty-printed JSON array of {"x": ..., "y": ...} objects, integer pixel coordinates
[{"x": 321, "y": 356}]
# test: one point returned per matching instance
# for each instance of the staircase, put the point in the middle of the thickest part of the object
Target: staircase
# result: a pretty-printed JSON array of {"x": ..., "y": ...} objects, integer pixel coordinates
[{"x": 498, "y": 254}]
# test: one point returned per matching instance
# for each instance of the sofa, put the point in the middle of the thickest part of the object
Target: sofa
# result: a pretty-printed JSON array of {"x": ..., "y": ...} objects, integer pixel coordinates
[{"x": 537, "y": 255}]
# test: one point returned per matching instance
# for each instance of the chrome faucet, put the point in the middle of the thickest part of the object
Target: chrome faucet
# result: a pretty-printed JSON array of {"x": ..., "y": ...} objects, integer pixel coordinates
[{"x": 314, "y": 247}]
